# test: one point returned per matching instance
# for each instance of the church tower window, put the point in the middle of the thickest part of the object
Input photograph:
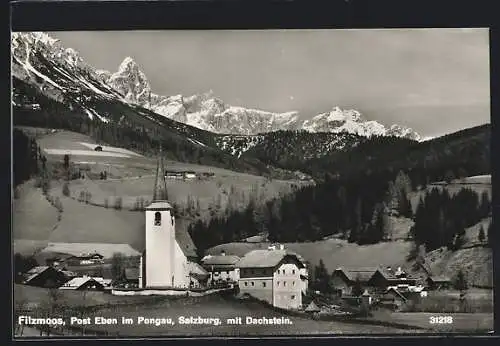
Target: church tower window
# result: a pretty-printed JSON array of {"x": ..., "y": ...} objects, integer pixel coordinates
[{"x": 157, "y": 218}]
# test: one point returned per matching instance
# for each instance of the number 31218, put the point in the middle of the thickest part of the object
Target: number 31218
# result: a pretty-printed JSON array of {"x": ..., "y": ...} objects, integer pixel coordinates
[{"x": 440, "y": 319}]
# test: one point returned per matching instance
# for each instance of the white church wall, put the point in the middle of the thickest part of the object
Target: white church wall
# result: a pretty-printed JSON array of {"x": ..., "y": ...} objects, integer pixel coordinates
[{"x": 159, "y": 254}]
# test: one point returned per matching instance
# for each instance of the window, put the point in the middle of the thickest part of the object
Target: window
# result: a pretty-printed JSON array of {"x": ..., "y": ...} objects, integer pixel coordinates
[
  {"x": 263, "y": 284},
  {"x": 284, "y": 283},
  {"x": 293, "y": 283},
  {"x": 284, "y": 271},
  {"x": 253, "y": 283},
  {"x": 172, "y": 220},
  {"x": 157, "y": 218},
  {"x": 277, "y": 283},
  {"x": 293, "y": 271},
  {"x": 227, "y": 272},
  {"x": 246, "y": 283},
  {"x": 293, "y": 296}
]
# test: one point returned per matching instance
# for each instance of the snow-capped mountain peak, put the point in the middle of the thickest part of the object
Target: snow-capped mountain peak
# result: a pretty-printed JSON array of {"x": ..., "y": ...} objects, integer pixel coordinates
[{"x": 205, "y": 110}]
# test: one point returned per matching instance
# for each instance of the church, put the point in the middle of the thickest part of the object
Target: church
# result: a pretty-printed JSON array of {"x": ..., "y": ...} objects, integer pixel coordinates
[{"x": 169, "y": 258}]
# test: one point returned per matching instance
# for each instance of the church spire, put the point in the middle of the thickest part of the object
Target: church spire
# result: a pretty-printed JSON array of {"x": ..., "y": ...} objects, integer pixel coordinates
[{"x": 160, "y": 188}]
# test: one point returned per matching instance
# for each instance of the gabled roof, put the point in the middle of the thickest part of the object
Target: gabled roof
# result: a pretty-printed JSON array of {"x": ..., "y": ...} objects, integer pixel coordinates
[
  {"x": 220, "y": 260},
  {"x": 78, "y": 282},
  {"x": 265, "y": 258},
  {"x": 353, "y": 274},
  {"x": 36, "y": 271},
  {"x": 312, "y": 307},
  {"x": 183, "y": 238},
  {"x": 396, "y": 292},
  {"x": 196, "y": 271}
]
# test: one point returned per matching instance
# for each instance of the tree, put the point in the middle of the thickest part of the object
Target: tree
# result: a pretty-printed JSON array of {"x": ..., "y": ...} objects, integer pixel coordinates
[
  {"x": 321, "y": 278},
  {"x": 357, "y": 288},
  {"x": 460, "y": 281},
  {"x": 117, "y": 266},
  {"x": 66, "y": 165},
  {"x": 481, "y": 235},
  {"x": 65, "y": 189}
]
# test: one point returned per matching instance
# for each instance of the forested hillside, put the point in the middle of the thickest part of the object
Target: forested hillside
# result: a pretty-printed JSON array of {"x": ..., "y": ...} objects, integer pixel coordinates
[{"x": 371, "y": 181}]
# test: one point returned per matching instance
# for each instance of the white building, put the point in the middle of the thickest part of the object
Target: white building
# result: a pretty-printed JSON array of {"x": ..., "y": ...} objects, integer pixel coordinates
[
  {"x": 273, "y": 276},
  {"x": 164, "y": 263}
]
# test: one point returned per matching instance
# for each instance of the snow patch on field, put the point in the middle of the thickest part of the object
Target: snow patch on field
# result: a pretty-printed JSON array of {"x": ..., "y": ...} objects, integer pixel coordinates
[
  {"x": 84, "y": 153},
  {"x": 110, "y": 149}
]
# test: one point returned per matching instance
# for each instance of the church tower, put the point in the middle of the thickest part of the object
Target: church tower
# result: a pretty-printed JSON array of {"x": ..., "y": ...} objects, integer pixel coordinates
[{"x": 159, "y": 260}]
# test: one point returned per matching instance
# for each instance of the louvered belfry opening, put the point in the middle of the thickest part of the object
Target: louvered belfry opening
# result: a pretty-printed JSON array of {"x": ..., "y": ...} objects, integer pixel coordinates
[{"x": 160, "y": 189}]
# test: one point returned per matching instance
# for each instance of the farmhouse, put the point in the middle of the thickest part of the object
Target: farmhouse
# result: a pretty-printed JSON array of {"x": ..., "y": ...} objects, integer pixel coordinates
[
  {"x": 392, "y": 299},
  {"x": 198, "y": 275},
  {"x": 83, "y": 283},
  {"x": 221, "y": 268},
  {"x": 438, "y": 282},
  {"x": 377, "y": 279},
  {"x": 85, "y": 259},
  {"x": 44, "y": 276},
  {"x": 272, "y": 276}
]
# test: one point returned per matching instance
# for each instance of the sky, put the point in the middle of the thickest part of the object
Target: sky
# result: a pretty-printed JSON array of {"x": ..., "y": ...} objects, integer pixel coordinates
[{"x": 435, "y": 81}]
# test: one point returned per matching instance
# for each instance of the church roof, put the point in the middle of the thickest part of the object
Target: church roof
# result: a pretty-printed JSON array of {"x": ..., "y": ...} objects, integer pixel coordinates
[
  {"x": 184, "y": 239},
  {"x": 159, "y": 205}
]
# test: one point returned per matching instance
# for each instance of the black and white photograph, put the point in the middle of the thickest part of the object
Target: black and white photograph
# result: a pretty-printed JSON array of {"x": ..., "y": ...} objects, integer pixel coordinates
[{"x": 251, "y": 183}]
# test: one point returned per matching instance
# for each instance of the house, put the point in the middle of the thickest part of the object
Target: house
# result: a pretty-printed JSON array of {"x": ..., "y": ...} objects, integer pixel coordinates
[
  {"x": 312, "y": 307},
  {"x": 343, "y": 280},
  {"x": 106, "y": 283},
  {"x": 83, "y": 283},
  {"x": 382, "y": 278},
  {"x": 85, "y": 259},
  {"x": 438, "y": 282},
  {"x": 44, "y": 276},
  {"x": 221, "y": 268},
  {"x": 273, "y": 276},
  {"x": 377, "y": 279},
  {"x": 392, "y": 299}
]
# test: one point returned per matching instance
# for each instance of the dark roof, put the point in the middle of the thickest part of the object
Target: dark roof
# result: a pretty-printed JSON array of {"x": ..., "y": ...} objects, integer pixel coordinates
[
  {"x": 220, "y": 260},
  {"x": 132, "y": 273},
  {"x": 363, "y": 274},
  {"x": 265, "y": 258},
  {"x": 183, "y": 238},
  {"x": 396, "y": 292},
  {"x": 197, "y": 271},
  {"x": 34, "y": 272}
]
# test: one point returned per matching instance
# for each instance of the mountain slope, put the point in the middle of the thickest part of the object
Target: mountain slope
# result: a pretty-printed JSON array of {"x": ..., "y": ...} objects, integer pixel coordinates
[{"x": 53, "y": 87}]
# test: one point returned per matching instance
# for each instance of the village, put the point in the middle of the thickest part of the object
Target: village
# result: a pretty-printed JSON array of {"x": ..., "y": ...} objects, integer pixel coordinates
[{"x": 275, "y": 276}]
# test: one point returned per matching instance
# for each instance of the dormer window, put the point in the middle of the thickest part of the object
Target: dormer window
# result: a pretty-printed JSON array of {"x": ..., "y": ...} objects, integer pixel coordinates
[{"x": 157, "y": 218}]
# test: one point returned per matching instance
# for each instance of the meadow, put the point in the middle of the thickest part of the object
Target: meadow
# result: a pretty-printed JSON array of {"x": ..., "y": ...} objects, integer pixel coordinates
[
  {"x": 334, "y": 252},
  {"x": 215, "y": 306}
]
